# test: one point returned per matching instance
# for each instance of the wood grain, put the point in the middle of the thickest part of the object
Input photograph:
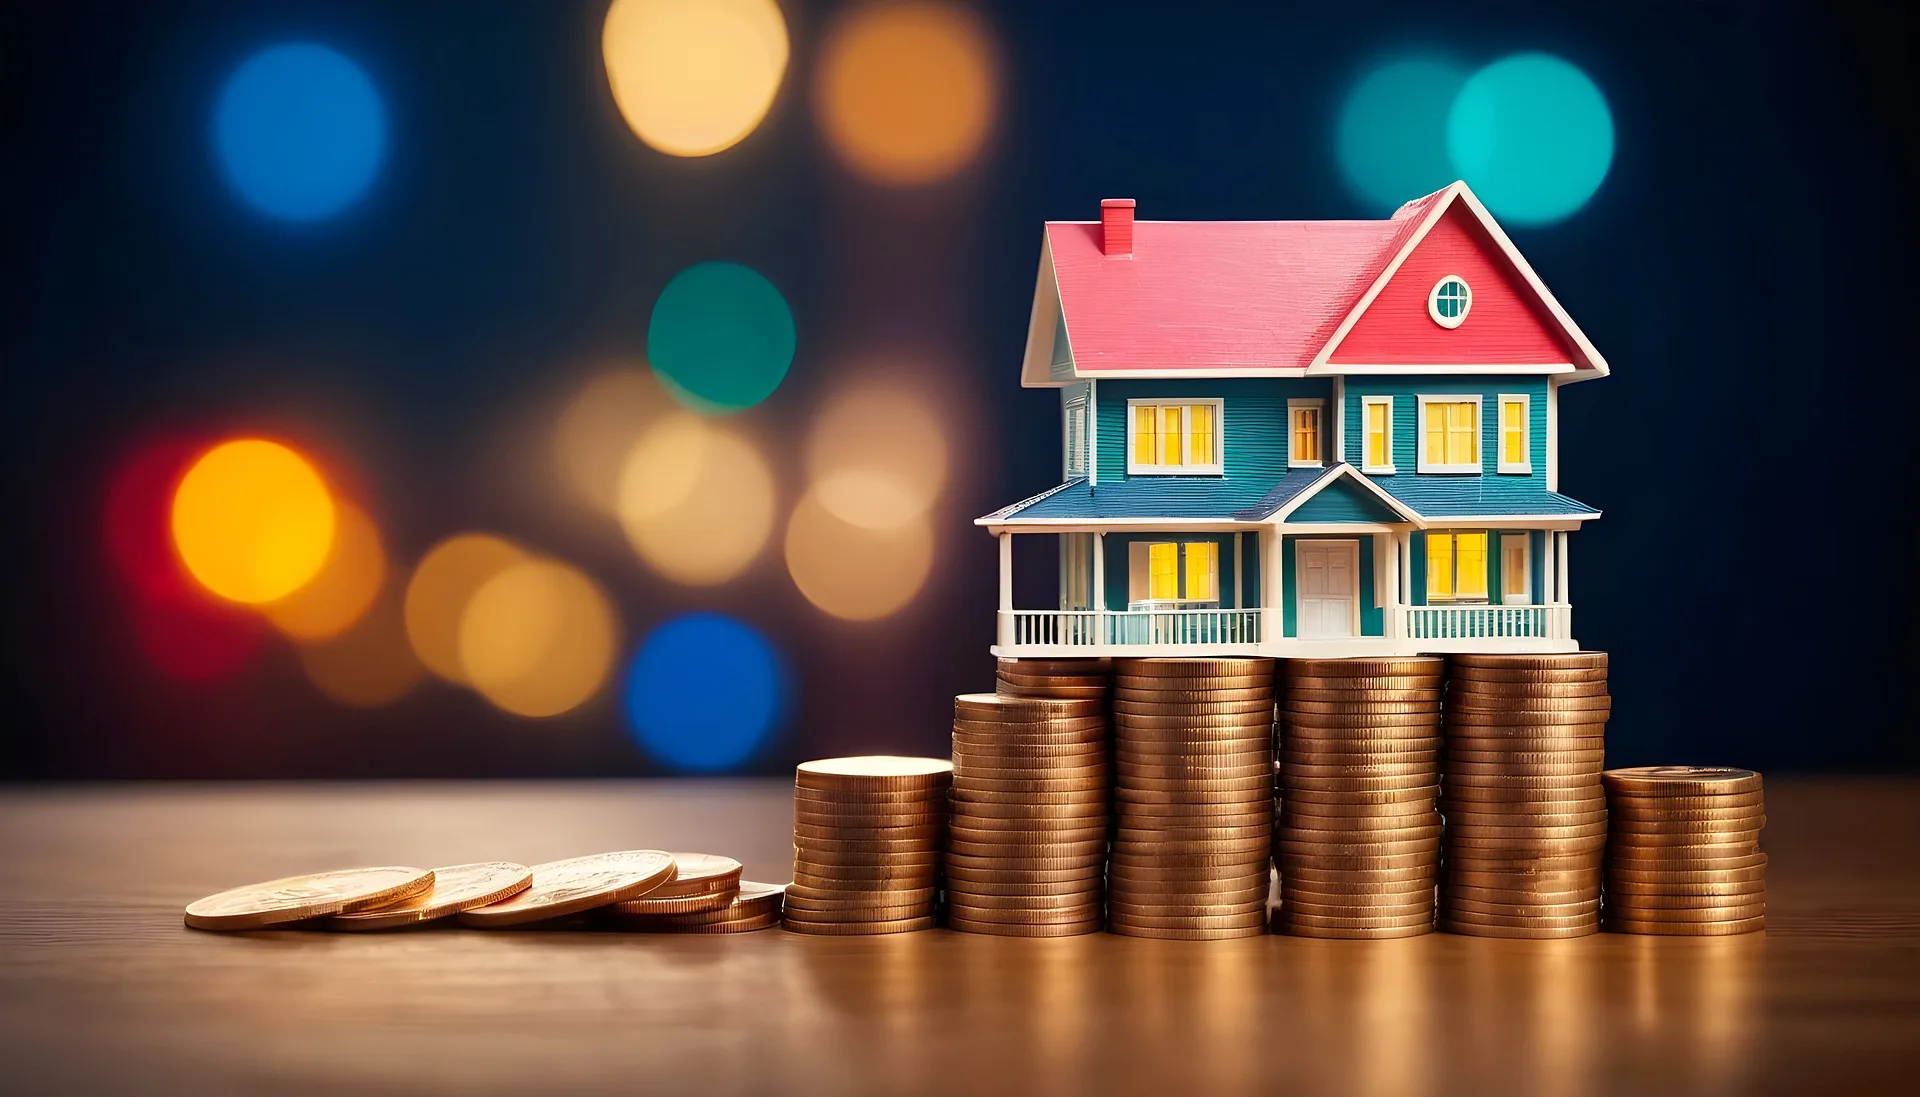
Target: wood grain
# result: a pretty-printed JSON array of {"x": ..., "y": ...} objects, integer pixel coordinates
[{"x": 102, "y": 989}]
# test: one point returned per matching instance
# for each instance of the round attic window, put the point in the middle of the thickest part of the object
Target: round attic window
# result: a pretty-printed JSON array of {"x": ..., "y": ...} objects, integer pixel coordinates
[{"x": 1449, "y": 301}]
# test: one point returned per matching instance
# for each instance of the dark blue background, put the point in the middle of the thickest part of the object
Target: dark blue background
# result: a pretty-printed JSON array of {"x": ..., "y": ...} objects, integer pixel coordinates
[{"x": 1745, "y": 268}]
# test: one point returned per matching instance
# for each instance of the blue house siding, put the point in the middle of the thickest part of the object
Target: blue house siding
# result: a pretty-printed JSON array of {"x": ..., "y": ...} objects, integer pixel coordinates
[
  {"x": 1373, "y": 619},
  {"x": 1344, "y": 501},
  {"x": 1253, "y": 421},
  {"x": 1490, "y": 492}
]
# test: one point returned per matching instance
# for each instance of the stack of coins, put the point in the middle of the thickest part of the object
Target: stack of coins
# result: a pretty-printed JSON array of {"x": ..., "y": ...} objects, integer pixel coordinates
[
  {"x": 750, "y": 906},
  {"x": 1080, "y": 679},
  {"x": 703, "y": 882},
  {"x": 1526, "y": 819},
  {"x": 1027, "y": 840},
  {"x": 1193, "y": 798},
  {"x": 1358, "y": 837},
  {"x": 867, "y": 835},
  {"x": 1683, "y": 851}
]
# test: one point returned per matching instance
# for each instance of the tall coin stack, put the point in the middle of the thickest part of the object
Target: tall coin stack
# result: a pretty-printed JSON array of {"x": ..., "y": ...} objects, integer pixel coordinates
[
  {"x": 1027, "y": 841},
  {"x": 1683, "y": 851},
  {"x": 1358, "y": 838},
  {"x": 1193, "y": 798},
  {"x": 1081, "y": 679},
  {"x": 1526, "y": 819},
  {"x": 867, "y": 835}
]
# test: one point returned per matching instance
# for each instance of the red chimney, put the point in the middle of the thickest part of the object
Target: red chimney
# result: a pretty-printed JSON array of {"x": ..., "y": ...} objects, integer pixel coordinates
[{"x": 1116, "y": 227}]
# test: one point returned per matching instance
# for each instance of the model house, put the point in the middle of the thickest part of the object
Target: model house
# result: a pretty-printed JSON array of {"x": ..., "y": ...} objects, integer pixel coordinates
[{"x": 1299, "y": 438}]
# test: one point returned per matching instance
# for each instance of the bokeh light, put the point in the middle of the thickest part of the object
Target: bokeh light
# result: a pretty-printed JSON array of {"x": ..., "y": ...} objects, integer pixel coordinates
[
  {"x": 599, "y": 428},
  {"x": 859, "y": 573},
  {"x": 370, "y": 664},
  {"x": 905, "y": 91},
  {"x": 721, "y": 337},
  {"x": 537, "y": 639},
  {"x": 137, "y": 519},
  {"x": 252, "y": 521},
  {"x": 1391, "y": 140},
  {"x": 346, "y": 585},
  {"x": 696, "y": 500},
  {"x": 693, "y": 77},
  {"x": 877, "y": 456},
  {"x": 705, "y": 692},
  {"x": 299, "y": 131},
  {"x": 440, "y": 590},
  {"x": 195, "y": 639},
  {"x": 1532, "y": 136}
]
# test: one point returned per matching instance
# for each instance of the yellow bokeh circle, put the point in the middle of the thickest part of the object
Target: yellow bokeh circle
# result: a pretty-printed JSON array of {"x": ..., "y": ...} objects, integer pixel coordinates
[
  {"x": 344, "y": 588},
  {"x": 368, "y": 665},
  {"x": 598, "y": 429},
  {"x": 696, "y": 500},
  {"x": 253, "y": 521},
  {"x": 905, "y": 92},
  {"x": 537, "y": 639},
  {"x": 854, "y": 572},
  {"x": 694, "y": 77},
  {"x": 443, "y": 584},
  {"x": 877, "y": 456}
]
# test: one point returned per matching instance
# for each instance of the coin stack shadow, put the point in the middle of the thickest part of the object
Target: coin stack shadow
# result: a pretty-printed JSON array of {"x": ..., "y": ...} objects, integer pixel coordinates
[
  {"x": 1526, "y": 819},
  {"x": 1032, "y": 805},
  {"x": 1358, "y": 837},
  {"x": 1193, "y": 798},
  {"x": 867, "y": 835},
  {"x": 1683, "y": 851},
  {"x": 1078, "y": 679}
]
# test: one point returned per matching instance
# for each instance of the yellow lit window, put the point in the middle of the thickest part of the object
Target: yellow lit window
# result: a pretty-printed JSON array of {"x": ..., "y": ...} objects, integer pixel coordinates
[
  {"x": 1513, "y": 434},
  {"x": 1203, "y": 571},
  {"x": 1457, "y": 566},
  {"x": 1379, "y": 449},
  {"x": 1305, "y": 446},
  {"x": 1163, "y": 571},
  {"x": 1453, "y": 433},
  {"x": 1176, "y": 437}
]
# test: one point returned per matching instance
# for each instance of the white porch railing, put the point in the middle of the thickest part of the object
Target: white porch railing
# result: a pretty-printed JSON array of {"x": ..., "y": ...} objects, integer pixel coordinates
[
  {"x": 1069, "y": 628},
  {"x": 1475, "y": 622}
]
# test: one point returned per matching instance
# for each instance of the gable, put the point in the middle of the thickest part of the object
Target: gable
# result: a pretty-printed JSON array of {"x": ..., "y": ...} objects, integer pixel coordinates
[
  {"x": 1506, "y": 325},
  {"x": 1061, "y": 366},
  {"x": 1343, "y": 501}
]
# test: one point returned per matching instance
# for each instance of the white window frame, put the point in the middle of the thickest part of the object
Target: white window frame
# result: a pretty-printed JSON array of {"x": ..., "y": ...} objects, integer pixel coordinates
[
  {"x": 1420, "y": 462},
  {"x": 1433, "y": 302},
  {"x": 1068, "y": 467},
  {"x": 1217, "y": 468},
  {"x": 1365, "y": 403},
  {"x": 1525, "y": 465},
  {"x": 1526, "y": 568},
  {"x": 1319, "y": 460},
  {"x": 1456, "y": 598},
  {"x": 1138, "y": 564}
]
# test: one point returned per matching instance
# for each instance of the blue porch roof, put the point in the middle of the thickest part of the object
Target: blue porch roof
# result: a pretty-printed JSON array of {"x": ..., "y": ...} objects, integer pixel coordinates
[
  {"x": 1171, "y": 497},
  {"x": 1460, "y": 496}
]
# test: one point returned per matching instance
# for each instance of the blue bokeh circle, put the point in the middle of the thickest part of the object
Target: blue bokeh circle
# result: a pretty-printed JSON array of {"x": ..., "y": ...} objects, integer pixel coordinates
[
  {"x": 1532, "y": 135},
  {"x": 299, "y": 131},
  {"x": 1391, "y": 137},
  {"x": 705, "y": 692}
]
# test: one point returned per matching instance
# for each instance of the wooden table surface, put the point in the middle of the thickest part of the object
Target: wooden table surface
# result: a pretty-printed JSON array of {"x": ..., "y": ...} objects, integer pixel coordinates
[{"x": 103, "y": 990}]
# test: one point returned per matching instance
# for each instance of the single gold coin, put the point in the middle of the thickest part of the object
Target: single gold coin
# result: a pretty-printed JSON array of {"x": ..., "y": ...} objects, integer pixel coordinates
[
  {"x": 1683, "y": 831},
  {"x": 1679, "y": 877},
  {"x": 1297, "y": 858},
  {"x": 1589, "y": 922},
  {"x": 1194, "y": 668},
  {"x": 1184, "y": 933},
  {"x": 575, "y": 884},
  {"x": 1691, "y": 895},
  {"x": 1535, "y": 689},
  {"x": 1469, "y": 783},
  {"x": 751, "y": 901},
  {"x": 1290, "y": 918},
  {"x": 1592, "y": 756},
  {"x": 730, "y": 925},
  {"x": 1353, "y": 725},
  {"x": 1293, "y": 683},
  {"x": 1420, "y": 794},
  {"x": 985, "y": 906},
  {"x": 1295, "y": 707},
  {"x": 969, "y": 766},
  {"x": 984, "y": 916},
  {"x": 1685, "y": 780},
  {"x": 1585, "y": 660},
  {"x": 1052, "y": 693},
  {"x": 455, "y": 888},
  {"x": 1089, "y": 888},
  {"x": 1356, "y": 934},
  {"x": 1453, "y": 903},
  {"x": 1185, "y": 696},
  {"x": 1010, "y": 929},
  {"x": 873, "y": 773},
  {"x": 859, "y": 929},
  {"x": 1004, "y": 676},
  {"x": 1454, "y": 891},
  {"x": 999, "y": 706},
  {"x": 1424, "y": 665},
  {"x": 1057, "y": 666},
  {"x": 1526, "y": 933},
  {"x": 1418, "y": 695},
  {"x": 1391, "y": 770},
  {"x": 1627, "y": 812},
  {"x": 1592, "y": 722},
  {"x": 1009, "y": 728},
  {"x": 1251, "y": 919},
  {"x": 1387, "y": 914},
  {"x": 853, "y": 800},
  {"x": 313, "y": 895},
  {"x": 1727, "y": 910},
  {"x": 1507, "y": 702},
  {"x": 1459, "y": 674},
  {"x": 679, "y": 904},
  {"x": 1686, "y": 929},
  {"x": 1422, "y": 778},
  {"x": 1013, "y": 876}
]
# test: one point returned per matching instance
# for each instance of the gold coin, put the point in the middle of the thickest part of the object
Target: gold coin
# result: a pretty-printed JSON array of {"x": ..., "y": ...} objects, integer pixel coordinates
[
  {"x": 1090, "y": 882},
  {"x": 1194, "y": 668},
  {"x": 1497, "y": 896},
  {"x": 700, "y": 874},
  {"x": 1334, "y": 881},
  {"x": 926, "y": 828},
  {"x": 1687, "y": 929},
  {"x": 1422, "y": 778},
  {"x": 1693, "y": 858},
  {"x": 1061, "y": 693},
  {"x": 844, "y": 799},
  {"x": 1287, "y": 846},
  {"x": 1593, "y": 757},
  {"x": 1057, "y": 666},
  {"x": 1357, "y": 815},
  {"x": 1369, "y": 752},
  {"x": 1295, "y": 683},
  {"x": 1050, "y": 850},
  {"x": 1685, "y": 877},
  {"x": 751, "y": 900},
  {"x": 1386, "y": 914},
  {"x": 1749, "y": 907},
  {"x": 1643, "y": 813},
  {"x": 1297, "y": 858},
  {"x": 1254, "y": 918},
  {"x": 1293, "y": 918},
  {"x": 1140, "y": 717},
  {"x": 1296, "y": 707},
  {"x": 1527, "y": 933},
  {"x": 575, "y": 884},
  {"x": 1162, "y": 850},
  {"x": 1468, "y": 700},
  {"x": 1357, "y": 934},
  {"x": 1008, "y": 929},
  {"x": 1425, "y": 665},
  {"x": 1559, "y": 661},
  {"x": 1188, "y": 870},
  {"x": 1350, "y": 725},
  {"x": 1092, "y": 800},
  {"x": 1029, "y": 677},
  {"x": 1250, "y": 797},
  {"x": 1019, "y": 839},
  {"x": 969, "y": 822},
  {"x": 1496, "y": 798},
  {"x": 1323, "y": 893},
  {"x": 731, "y": 925},
  {"x": 1529, "y": 721},
  {"x": 858, "y": 929},
  {"x": 1175, "y": 691},
  {"x": 1524, "y": 818},
  {"x": 859, "y": 908},
  {"x": 987, "y": 786},
  {"x": 295, "y": 898},
  {"x": 1178, "y": 909},
  {"x": 1472, "y": 783},
  {"x": 1212, "y": 785},
  {"x": 1683, "y": 831},
  {"x": 1419, "y": 697},
  {"x": 1684, "y": 780},
  {"x": 922, "y": 867},
  {"x": 1182, "y": 933},
  {"x": 1238, "y": 764},
  {"x": 1589, "y": 920},
  {"x": 995, "y": 873},
  {"x": 999, "y": 706},
  {"x": 1431, "y": 770},
  {"x": 1545, "y": 881},
  {"x": 454, "y": 889},
  {"x": 1014, "y": 811},
  {"x": 1459, "y": 742},
  {"x": 921, "y": 843},
  {"x": 1541, "y": 690},
  {"x": 1690, "y": 895},
  {"x": 983, "y": 906},
  {"x": 1423, "y": 794},
  {"x": 875, "y": 773},
  {"x": 1453, "y": 903},
  {"x": 983, "y": 916},
  {"x": 1009, "y": 727},
  {"x": 1027, "y": 765},
  {"x": 1360, "y": 824},
  {"x": 1459, "y": 674},
  {"x": 1293, "y": 835},
  {"x": 1246, "y": 889},
  {"x": 1000, "y": 866},
  {"x": 679, "y": 904}
]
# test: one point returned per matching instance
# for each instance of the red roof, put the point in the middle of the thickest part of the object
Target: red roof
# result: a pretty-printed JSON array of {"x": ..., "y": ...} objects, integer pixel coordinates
[{"x": 1219, "y": 294}]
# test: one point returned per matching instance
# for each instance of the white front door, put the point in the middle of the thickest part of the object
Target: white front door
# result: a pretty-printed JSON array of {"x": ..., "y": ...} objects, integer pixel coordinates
[{"x": 1328, "y": 582}]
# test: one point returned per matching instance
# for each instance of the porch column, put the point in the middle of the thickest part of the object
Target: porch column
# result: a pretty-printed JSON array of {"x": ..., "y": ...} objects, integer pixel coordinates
[
  {"x": 1549, "y": 571},
  {"x": 1004, "y": 628},
  {"x": 1239, "y": 592},
  {"x": 1099, "y": 599},
  {"x": 1560, "y": 585}
]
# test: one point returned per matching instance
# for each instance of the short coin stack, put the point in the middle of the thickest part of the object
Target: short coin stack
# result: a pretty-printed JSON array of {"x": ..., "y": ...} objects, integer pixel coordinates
[
  {"x": 1032, "y": 803},
  {"x": 749, "y": 906},
  {"x": 1080, "y": 679},
  {"x": 1193, "y": 798},
  {"x": 1683, "y": 851},
  {"x": 1358, "y": 838},
  {"x": 1526, "y": 820},
  {"x": 867, "y": 835}
]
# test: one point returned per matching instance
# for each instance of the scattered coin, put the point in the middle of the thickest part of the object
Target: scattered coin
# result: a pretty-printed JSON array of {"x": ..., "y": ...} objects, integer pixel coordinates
[
  {"x": 296, "y": 898},
  {"x": 576, "y": 884},
  {"x": 455, "y": 888}
]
